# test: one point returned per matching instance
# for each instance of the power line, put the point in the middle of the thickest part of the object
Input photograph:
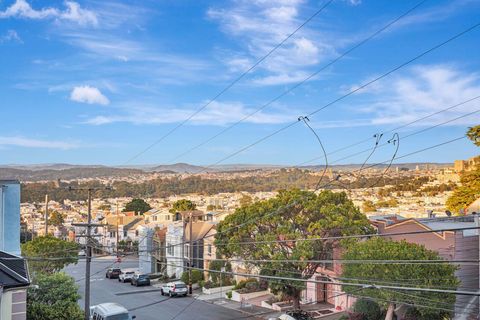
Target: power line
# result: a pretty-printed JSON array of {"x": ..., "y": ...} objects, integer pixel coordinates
[
  {"x": 366, "y": 84},
  {"x": 285, "y": 92},
  {"x": 231, "y": 84}
]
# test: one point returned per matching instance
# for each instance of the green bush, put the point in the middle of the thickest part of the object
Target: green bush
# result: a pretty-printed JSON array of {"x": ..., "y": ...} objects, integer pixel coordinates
[
  {"x": 243, "y": 283},
  {"x": 412, "y": 314},
  {"x": 229, "y": 294},
  {"x": 369, "y": 309},
  {"x": 197, "y": 276}
]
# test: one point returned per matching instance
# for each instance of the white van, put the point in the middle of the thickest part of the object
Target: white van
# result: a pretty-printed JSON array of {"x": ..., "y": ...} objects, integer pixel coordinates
[{"x": 109, "y": 311}]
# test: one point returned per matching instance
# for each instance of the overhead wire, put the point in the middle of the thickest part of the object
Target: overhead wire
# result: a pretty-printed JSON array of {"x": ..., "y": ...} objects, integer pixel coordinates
[
  {"x": 231, "y": 84},
  {"x": 298, "y": 84}
]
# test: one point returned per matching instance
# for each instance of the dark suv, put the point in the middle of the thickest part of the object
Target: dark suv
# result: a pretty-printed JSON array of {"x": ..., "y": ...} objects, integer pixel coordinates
[
  {"x": 140, "y": 280},
  {"x": 113, "y": 273}
]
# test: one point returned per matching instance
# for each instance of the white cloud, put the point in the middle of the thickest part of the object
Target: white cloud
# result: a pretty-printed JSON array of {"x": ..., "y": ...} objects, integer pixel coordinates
[
  {"x": 10, "y": 35},
  {"x": 423, "y": 90},
  {"x": 73, "y": 13},
  {"x": 88, "y": 94},
  {"x": 260, "y": 26},
  {"x": 217, "y": 113},
  {"x": 35, "y": 143}
]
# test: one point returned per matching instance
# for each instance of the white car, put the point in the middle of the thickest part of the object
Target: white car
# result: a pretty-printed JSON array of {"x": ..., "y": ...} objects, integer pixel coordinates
[
  {"x": 126, "y": 276},
  {"x": 177, "y": 288},
  {"x": 110, "y": 311}
]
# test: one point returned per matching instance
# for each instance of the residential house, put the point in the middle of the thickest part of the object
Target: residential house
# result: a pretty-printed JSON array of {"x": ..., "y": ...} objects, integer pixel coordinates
[
  {"x": 14, "y": 277},
  {"x": 174, "y": 250},
  {"x": 159, "y": 250},
  {"x": 199, "y": 230}
]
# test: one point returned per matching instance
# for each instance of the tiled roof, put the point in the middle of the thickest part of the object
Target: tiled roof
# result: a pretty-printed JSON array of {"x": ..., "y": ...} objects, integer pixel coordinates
[{"x": 13, "y": 271}]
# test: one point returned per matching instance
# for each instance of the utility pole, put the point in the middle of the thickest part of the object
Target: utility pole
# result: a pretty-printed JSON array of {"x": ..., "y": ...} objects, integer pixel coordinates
[
  {"x": 190, "y": 249},
  {"x": 46, "y": 214},
  {"x": 118, "y": 236},
  {"x": 88, "y": 246}
]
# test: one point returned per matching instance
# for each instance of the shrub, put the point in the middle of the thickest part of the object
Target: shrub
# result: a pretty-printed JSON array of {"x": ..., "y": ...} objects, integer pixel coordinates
[
  {"x": 229, "y": 294},
  {"x": 197, "y": 276},
  {"x": 369, "y": 309},
  {"x": 201, "y": 283},
  {"x": 412, "y": 314},
  {"x": 243, "y": 283}
]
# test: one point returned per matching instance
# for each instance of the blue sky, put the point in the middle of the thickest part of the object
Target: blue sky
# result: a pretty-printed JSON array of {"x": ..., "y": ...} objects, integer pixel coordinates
[{"x": 97, "y": 82}]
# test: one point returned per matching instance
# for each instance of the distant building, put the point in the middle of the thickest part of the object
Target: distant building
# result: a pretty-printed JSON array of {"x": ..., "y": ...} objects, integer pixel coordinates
[
  {"x": 466, "y": 165},
  {"x": 10, "y": 216},
  {"x": 14, "y": 277}
]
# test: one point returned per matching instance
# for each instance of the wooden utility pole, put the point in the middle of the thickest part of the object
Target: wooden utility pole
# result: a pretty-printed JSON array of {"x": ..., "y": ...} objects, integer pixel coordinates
[
  {"x": 118, "y": 236},
  {"x": 46, "y": 214},
  {"x": 190, "y": 252},
  {"x": 88, "y": 245}
]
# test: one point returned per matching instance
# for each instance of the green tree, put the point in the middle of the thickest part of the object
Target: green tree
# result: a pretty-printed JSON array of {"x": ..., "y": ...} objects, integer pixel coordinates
[
  {"x": 368, "y": 206},
  {"x": 245, "y": 200},
  {"x": 469, "y": 189},
  {"x": 473, "y": 134},
  {"x": 291, "y": 214},
  {"x": 183, "y": 205},
  {"x": 137, "y": 205},
  {"x": 48, "y": 254},
  {"x": 55, "y": 218},
  {"x": 419, "y": 275},
  {"x": 54, "y": 297}
]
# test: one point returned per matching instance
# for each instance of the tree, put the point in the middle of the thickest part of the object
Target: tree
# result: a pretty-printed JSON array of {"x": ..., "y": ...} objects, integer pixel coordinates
[
  {"x": 419, "y": 275},
  {"x": 473, "y": 134},
  {"x": 55, "y": 218},
  {"x": 469, "y": 189},
  {"x": 137, "y": 205},
  {"x": 183, "y": 205},
  {"x": 245, "y": 200},
  {"x": 368, "y": 206},
  {"x": 291, "y": 214},
  {"x": 48, "y": 254},
  {"x": 54, "y": 297}
]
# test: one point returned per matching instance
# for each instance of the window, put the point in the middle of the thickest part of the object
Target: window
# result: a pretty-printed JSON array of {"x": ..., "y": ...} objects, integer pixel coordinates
[
  {"x": 170, "y": 249},
  {"x": 124, "y": 233},
  {"x": 136, "y": 233},
  {"x": 186, "y": 249},
  {"x": 209, "y": 249}
]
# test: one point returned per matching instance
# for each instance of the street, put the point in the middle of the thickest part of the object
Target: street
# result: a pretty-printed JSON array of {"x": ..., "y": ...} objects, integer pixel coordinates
[{"x": 145, "y": 302}]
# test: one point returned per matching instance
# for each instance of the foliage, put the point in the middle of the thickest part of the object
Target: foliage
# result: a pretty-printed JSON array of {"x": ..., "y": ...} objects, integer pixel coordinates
[
  {"x": 299, "y": 315},
  {"x": 390, "y": 203},
  {"x": 60, "y": 252},
  {"x": 473, "y": 134},
  {"x": 250, "y": 285},
  {"x": 469, "y": 190},
  {"x": 291, "y": 214},
  {"x": 137, "y": 205},
  {"x": 369, "y": 309},
  {"x": 183, "y": 205},
  {"x": 54, "y": 297},
  {"x": 245, "y": 200},
  {"x": 243, "y": 283},
  {"x": 211, "y": 207},
  {"x": 368, "y": 206},
  {"x": 427, "y": 275},
  {"x": 164, "y": 187},
  {"x": 226, "y": 278},
  {"x": 55, "y": 218},
  {"x": 229, "y": 294},
  {"x": 197, "y": 276}
]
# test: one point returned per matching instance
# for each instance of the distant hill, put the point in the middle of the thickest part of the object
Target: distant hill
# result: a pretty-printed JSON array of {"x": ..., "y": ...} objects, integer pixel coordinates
[
  {"x": 71, "y": 173},
  {"x": 66, "y": 171}
]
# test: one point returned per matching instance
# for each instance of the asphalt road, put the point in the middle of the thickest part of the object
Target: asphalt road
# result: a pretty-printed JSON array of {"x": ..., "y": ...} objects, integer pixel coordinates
[{"x": 145, "y": 302}]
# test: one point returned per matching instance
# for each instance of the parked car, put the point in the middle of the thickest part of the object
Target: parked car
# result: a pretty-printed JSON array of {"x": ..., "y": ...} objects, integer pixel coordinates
[
  {"x": 110, "y": 311},
  {"x": 177, "y": 288},
  {"x": 113, "y": 273},
  {"x": 140, "y": 280},
  {"x": 126, "y": 276}
]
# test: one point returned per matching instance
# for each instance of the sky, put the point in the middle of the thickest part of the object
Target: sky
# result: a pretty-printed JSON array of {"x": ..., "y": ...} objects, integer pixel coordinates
[{"x": 101, "y": 82}]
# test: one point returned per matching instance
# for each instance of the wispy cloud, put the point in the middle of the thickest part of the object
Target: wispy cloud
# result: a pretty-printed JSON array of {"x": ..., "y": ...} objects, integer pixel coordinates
[
  {"x": 10, "y": 35},
  {"x": 259, "y": 26},
  {"x": 420, "y": 91},
  {"x": 88, "y": 94},
  {"x": 217, "y": 113},
  {"x": 72, "y": 13},
  {"x": 18, "y": 141}
]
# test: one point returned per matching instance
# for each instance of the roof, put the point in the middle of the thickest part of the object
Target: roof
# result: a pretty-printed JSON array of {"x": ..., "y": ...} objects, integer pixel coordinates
[
  {"x": 13, "y": 271},
  {"x": 9, "y": 181},
  {"x": 199, "y": 230},
  {"x": 133, "y": 224},
  {"x": 110, "y": 308}
]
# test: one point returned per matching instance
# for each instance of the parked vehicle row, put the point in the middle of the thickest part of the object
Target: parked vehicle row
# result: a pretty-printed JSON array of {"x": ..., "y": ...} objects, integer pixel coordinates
[{"x": 128, "y": 275}]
